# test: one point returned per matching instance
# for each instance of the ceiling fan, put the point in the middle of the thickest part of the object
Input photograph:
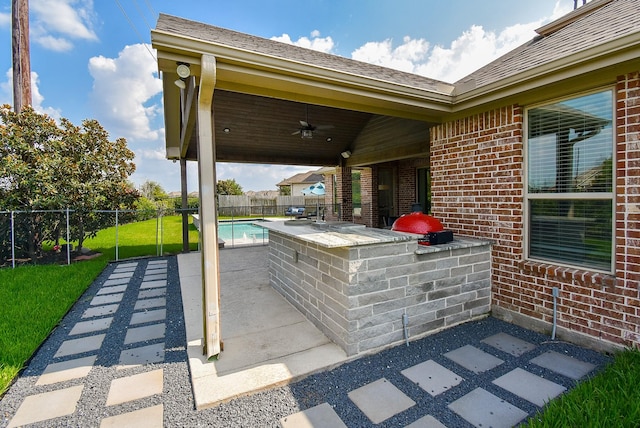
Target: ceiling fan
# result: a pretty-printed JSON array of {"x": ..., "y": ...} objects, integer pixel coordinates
[{"x": 306, "y": 129}]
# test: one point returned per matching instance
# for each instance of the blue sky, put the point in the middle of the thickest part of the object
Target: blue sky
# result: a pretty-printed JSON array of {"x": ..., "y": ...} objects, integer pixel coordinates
[{"x": 83, "y": 50}]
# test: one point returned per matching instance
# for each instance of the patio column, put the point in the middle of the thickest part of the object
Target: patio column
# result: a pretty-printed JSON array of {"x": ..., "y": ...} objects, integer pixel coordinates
[
  {"x": 208, "y": 209},
  {"x": 345, "y": 192}
]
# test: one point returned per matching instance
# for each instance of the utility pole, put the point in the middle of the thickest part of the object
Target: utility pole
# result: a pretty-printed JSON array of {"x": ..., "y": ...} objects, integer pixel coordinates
[{"x": 21, "y": 55}]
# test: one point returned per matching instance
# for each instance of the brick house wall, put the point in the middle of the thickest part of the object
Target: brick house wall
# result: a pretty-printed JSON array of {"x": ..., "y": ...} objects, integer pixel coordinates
[{"x": 477, "y": 190}]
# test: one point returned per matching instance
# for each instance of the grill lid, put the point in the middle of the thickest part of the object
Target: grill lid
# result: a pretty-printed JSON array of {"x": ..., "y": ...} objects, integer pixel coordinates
[{"x": 418, "y": 223}]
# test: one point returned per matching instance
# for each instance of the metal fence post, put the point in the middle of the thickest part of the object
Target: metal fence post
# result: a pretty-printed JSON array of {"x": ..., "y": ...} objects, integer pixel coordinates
[
  {"x": 157, "y": 225},
  {"x": 13, "y": 242},
  {"x": 117, "y": 254},
  {"x": 68, "y": 245}
]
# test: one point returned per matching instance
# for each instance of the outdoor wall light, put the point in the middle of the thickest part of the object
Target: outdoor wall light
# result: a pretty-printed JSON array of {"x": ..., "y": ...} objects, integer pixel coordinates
[
  {"x": 183, "y": 71},
  {"x": 346, "y": 154}
]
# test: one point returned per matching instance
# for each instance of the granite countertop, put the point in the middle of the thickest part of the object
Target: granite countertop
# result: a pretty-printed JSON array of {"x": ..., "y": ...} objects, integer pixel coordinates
[{"x": 335, "y": 234}]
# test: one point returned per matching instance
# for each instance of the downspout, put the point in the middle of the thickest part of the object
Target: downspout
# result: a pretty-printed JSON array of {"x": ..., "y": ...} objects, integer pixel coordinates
[{"x": 208, "y": 209}]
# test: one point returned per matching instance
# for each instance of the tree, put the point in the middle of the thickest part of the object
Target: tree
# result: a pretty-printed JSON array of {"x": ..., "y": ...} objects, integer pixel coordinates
[
  {"x": 228, "y": 187},
  {"x": 153, "y": 191},
  {"x": 153, "y": 199},
  {"x": 44, "y": 166}
]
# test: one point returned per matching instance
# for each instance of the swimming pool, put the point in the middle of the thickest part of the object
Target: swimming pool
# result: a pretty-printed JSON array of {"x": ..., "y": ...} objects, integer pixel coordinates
[{"x": 236, "y": 231}]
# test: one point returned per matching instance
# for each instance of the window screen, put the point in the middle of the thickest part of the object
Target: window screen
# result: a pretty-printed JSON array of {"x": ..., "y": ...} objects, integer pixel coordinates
[{"x": 570, "y": 181}]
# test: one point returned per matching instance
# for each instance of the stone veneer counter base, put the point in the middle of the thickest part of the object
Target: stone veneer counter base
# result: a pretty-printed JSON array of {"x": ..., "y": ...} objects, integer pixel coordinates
[{"x": 356, "y": 283}]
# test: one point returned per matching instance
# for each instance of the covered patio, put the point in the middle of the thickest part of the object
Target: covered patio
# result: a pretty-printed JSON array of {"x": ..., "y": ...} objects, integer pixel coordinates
[{"x": 232, "y": 97}]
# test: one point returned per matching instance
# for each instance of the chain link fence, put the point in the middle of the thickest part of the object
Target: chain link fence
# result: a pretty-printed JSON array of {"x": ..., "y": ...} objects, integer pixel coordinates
[{"x": 53, "y": 236}]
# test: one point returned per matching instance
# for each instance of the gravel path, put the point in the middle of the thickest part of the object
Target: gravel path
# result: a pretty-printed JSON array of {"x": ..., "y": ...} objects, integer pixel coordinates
[{"x": 265, "y": 409}]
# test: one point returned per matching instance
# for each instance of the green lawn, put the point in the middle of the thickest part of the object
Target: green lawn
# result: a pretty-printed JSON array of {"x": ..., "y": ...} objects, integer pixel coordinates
[
  {"x": 33, "y": 299},
  {"x": 609, "y": 399}
]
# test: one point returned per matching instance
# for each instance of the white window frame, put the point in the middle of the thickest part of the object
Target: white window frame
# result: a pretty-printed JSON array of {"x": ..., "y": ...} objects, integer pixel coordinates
[{"x": 564, "y": 196}]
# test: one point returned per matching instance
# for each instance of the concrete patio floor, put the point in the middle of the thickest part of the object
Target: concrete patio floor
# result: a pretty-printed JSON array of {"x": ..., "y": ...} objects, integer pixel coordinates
[{"x": 267, "y": 342}]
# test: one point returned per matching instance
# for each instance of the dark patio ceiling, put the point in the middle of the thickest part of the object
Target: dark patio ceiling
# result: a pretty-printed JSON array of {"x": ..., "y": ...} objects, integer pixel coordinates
[{"x": 260, "y": 130}]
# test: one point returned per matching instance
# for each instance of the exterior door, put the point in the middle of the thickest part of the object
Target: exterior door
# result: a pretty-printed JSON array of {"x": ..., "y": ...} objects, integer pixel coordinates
[{"x": 387, "y": 209}]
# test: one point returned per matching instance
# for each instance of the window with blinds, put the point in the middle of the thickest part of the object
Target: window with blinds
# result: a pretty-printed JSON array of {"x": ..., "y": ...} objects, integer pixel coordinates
[{"x": 569, "y": 192}]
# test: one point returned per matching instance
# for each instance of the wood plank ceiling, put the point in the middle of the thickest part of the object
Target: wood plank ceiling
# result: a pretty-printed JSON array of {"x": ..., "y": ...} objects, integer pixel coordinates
[{"x": 261, "y": 130}]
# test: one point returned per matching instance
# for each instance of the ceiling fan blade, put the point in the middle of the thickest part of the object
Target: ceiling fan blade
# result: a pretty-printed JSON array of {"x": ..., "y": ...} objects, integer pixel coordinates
[
  {"x": 324, "y": 127},
  {"x": 305, "y": 124},
  {"x": 295, "y": 133}
]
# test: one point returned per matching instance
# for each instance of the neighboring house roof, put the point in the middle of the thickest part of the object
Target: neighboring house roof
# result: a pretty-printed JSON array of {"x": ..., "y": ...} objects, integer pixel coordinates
[{"x": 309, "y": 177}]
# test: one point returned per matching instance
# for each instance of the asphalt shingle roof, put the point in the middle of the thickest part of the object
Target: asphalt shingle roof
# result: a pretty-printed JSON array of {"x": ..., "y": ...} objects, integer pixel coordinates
[
  {"x": 222, "y": 36},
  {"x": 612, "y": 20}
]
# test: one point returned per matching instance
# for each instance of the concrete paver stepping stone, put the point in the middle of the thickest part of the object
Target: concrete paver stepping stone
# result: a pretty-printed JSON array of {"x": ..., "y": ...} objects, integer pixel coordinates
[
  {"x": 153, "y": 284},
  {"x": 150, "y": 303},
  {"x": 563, "y": 364},
  {"x": 106, "y": 299},
  {"x": 426, "y": 422},
  {"x": 91, "y": 326},
  {"x": 121, "y": 269},
  {"x": 126, "y": 265},
  {"x": 66, "y": 370},
  {"x": 483, "y": 409},
  {"x": 474, "y": 359},
  {"x": 157, "y": 262},
  {"x": 48, "y": 405},
  {"x": 148, "y": 316},
  {"x": 320, "y": 416},
  {"x": 154, "y": 277},
  {"x": 117, "y": 281},
  {"x": 121, "y": 275},
  {"x": 142, "y": 334},
  {"x": 432, "y": 377},
  {"x": 152, "y": 292},
  {"x": 380, "y": 400},
  {"x": 99, "y": 311},
  {"x": 507, "y": 343},
  {"x": 79, "y": 346},
  {"x": 149, "y": 417},
  {"x": 141, "y": 355},
  {"x": 135, "y": 387},
  {"x": 112, "y": 289},
  {"x": 532, "y": 388}
]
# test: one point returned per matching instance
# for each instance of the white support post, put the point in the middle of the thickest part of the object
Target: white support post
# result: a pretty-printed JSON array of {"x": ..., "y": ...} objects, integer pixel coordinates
[{"x": 208, "y": 209}]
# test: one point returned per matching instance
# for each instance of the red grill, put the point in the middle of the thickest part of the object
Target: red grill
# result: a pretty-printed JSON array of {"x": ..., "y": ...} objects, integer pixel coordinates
[
  {"x": 418, "y": 223},
  {"x": 430, "y": 227}
]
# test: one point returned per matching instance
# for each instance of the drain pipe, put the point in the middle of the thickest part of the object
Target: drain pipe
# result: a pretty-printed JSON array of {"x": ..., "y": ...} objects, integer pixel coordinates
[
  {"x": 405, "y": 325},
  {"x": 555, "y": 292}
]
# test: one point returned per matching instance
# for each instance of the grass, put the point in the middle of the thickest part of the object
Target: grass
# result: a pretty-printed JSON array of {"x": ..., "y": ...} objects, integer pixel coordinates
[
  {"x": 609, "y": 399},
  {"x": 33, "y": 299}
]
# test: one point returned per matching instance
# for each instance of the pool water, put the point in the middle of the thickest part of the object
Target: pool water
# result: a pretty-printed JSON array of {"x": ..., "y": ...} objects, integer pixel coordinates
[{"x": 237, "y": 231}]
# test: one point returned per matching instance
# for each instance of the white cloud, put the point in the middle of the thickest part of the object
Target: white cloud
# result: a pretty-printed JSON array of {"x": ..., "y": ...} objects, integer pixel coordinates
[
  {"x": 123, "y": 87},
  {"x": 37, "y": 100},
  {"x": 5, "y": 20},
  {"x": 55, "y": 23},
  {"x": 473, "y": 49},
  {"x": 317, "y": 43},
  {"x": 405, "y": 57}
]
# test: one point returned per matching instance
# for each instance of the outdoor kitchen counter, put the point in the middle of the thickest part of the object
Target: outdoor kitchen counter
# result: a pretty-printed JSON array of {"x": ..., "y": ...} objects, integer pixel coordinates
[
  {"x": 368, "y": 288},
  {"x": 335, "y": 234}
]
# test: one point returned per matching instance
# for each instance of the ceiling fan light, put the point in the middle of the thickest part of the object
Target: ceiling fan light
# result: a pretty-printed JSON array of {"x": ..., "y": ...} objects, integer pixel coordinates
[{"x": 306, "y": 133}]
